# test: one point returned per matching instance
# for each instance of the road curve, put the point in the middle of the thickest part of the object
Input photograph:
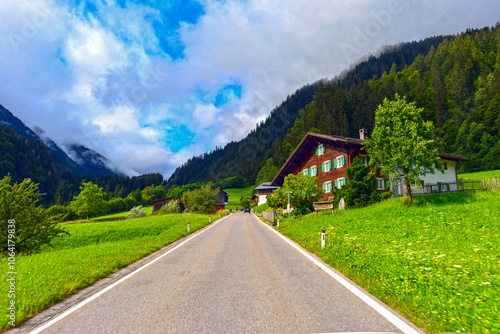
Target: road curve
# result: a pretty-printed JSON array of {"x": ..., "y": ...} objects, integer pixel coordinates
[{"x": 235, "y": 277}]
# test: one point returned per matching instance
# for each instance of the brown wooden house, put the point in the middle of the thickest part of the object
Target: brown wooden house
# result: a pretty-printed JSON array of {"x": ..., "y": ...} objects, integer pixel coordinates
[
  {"x": 160, "y": 203},
  {"x": 327, "y": 157}
]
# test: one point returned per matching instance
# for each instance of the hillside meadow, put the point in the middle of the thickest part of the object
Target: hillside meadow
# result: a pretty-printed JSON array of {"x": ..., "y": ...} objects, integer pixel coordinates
[
  {"x": 93, "y": 251},
  {"x": 436, "y": 262},
  {"x": 235, "y": 195}
]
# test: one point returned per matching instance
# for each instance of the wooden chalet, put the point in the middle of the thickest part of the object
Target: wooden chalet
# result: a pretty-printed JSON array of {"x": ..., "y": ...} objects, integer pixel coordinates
[
  {"x": 327, "y": 157},
  {"x": 222, "y": 200},
  {"x": 265, "y": 189},
  {"x": 160, "y": 203},
  {"x": 255, "y": 198}
]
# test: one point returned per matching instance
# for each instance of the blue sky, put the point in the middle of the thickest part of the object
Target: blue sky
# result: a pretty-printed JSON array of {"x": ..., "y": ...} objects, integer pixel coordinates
[{"x": 148, "y": 84}]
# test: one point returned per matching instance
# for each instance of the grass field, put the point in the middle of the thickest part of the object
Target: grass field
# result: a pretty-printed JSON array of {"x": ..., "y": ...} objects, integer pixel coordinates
[
  {"x": 492, "y": 174},
  {"x": 437, "y": 262},
  {"x": 235, "y": 195},
  {"x": 93, "y": 251},
  {"x": 148, "y": 210}
]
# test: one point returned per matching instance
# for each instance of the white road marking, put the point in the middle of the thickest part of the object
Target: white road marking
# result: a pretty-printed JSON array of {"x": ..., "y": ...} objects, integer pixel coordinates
[
  {"x": 404, "y": 327},
  {"x": 94, "y": 296}
]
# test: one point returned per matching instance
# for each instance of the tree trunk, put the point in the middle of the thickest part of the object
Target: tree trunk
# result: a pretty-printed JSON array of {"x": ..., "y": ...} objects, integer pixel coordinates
[{"x": 408, "y": 189}]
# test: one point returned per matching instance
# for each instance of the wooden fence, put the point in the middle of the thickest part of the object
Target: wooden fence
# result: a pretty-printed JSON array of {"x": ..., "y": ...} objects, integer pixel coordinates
[{"x": 490, "y": 184}]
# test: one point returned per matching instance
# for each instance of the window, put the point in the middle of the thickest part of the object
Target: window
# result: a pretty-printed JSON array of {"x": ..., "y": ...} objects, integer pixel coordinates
[
  {"x": 339, "y": 161},
  {"x": 340, "y": 182},
  {"x": 326, "y": 166},
  {"x": 320, "y": 149},
  {"x": 304, "y": 172},
  {"x": 380, "y": 184},
  {"x": 314, "y": 170},
  {"x": 364, "y": 159},
  {"x": 327, "y": 187}
]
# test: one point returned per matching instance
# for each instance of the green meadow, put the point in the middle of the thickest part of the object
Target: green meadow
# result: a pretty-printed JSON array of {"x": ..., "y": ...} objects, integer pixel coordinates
[
  {"x": 436, "y": 262},
  {"x": 93, "y": 251},
  {"x": 491, "y": 174},
  {"x": 235, "y": 195}
]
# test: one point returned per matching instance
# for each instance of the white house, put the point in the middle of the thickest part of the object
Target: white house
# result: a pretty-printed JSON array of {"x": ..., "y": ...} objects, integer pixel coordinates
[{"x": 446, "y": 181}]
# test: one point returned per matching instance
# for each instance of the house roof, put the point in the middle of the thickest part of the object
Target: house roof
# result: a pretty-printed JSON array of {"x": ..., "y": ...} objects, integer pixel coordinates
[
  {"x": 309, "y": 141},
  {"x": 312, "y": 140},
  {"x": 266, "y": 186},
  {"x": 455, "y": 157}
]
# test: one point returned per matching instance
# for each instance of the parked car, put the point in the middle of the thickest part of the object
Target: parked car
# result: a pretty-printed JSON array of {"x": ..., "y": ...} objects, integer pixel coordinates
[{"x": 246, "y": 209}]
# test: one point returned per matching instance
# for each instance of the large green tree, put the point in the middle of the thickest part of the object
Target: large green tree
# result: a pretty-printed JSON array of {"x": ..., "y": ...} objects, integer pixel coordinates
[
  {"x": 201, "y": 200},
  {"x": 34, "y": 226},
  {"x": 402, "y": 144},
  {"x": 303, "y": 192},
  {"x": 90, "y": 201}
]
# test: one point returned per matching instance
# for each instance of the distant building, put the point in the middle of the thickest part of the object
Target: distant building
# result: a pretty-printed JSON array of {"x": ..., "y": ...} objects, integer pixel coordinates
[
  {"x": 263, "y": 190},
  {"x": 160, "y": 203},
  {"x": 255, "y": 198},
  {"x": 222, "y": 200}
]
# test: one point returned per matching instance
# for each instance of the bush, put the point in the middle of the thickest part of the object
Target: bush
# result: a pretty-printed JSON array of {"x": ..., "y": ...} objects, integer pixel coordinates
[
  {"x": 201, "y": 200},
  {"x": 169, "y": 208},
  {"x": 136, "y": 212},
  {"x": 34, "y": 227},
  {"x": 62, "y": 211}
]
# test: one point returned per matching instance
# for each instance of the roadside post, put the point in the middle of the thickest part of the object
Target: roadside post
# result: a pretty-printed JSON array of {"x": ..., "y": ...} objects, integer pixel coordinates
[
  {"x": 189, "y": 228},
  {"x": 278, "y": 222},
  {"x": 210, "y": 219},
  {"x": 323, "y": 239}
]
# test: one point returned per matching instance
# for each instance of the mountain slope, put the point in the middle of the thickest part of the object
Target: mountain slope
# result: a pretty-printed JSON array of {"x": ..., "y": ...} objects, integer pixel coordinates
[{"x": 83, "y": 161}]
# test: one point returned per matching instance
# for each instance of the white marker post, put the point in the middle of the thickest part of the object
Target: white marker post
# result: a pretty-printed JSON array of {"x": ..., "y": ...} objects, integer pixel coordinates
[
  {"x": 189, "y": 228},
  {"x": 210, "y": 219},
  {"x": 278, "y": 222},
  {"x": 219, "y": 215},
  {"x": 323, "y": 239}
]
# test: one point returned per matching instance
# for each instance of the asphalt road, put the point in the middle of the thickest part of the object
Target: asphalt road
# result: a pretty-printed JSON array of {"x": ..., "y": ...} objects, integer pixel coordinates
[{"x": 235, "y": 277}]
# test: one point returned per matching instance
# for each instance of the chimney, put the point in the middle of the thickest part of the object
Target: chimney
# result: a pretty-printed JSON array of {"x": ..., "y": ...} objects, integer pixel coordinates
[{"x": 363, "y": 133}]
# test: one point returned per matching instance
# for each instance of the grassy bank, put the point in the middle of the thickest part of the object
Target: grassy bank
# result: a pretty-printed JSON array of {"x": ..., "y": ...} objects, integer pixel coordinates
[
  {"x": 437, "y": 262},
  {"x": 93, "y": 251}
]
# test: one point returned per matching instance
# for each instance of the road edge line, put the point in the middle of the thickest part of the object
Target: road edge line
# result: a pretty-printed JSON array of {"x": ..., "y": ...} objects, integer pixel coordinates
[
  {"x": 389, "y": 316},
  {"x": 109, "y": 287}
]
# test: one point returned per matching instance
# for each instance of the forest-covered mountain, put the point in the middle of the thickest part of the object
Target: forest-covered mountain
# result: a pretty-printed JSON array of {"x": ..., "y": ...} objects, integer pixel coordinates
[
  {"x": 25, "y": 155},
  {"x": 457, "y": 84},
  {"x": 271, "y": 137}
]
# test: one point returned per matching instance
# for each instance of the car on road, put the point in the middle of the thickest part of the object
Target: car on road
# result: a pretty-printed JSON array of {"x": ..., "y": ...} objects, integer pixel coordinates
[{"x": 246, "y": 209}]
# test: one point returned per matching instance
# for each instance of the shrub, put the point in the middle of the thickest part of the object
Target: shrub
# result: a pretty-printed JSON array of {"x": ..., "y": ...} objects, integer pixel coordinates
[
  {"x": 136, "y": 212},
  {"x": 169, "y": 208},
  {"x": 34, "y": 227}
]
